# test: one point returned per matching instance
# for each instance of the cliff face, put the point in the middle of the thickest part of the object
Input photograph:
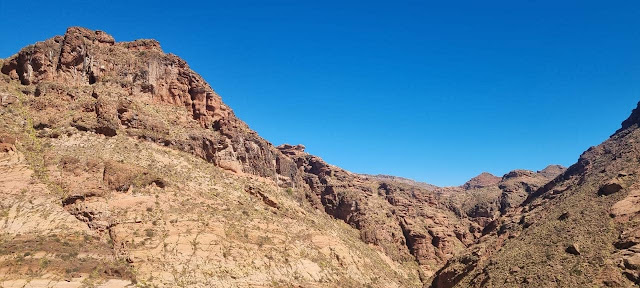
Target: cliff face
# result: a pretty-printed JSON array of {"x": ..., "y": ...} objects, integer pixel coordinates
[
  {"x": 407, "y": 221},
  {"x": 90, "y": 63}
]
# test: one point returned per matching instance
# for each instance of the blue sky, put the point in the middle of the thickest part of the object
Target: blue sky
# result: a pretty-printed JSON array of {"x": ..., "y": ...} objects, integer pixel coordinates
[{"x": 429, "y": 90}]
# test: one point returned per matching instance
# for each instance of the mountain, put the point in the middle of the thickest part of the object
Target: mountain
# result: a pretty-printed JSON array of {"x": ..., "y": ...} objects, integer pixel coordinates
[
  {"x": 124, "y": 164},
  {"x": 120, "y": 165},
  {"x": 580, "y": 229}
]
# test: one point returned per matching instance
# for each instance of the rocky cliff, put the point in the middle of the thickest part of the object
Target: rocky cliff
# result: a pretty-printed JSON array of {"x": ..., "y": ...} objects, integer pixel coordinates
[{"x": 115, "y": 80}]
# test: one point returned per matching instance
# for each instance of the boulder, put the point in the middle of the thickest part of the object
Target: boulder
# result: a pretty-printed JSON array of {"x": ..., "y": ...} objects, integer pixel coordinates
[
  {"x": 632, "y": 262},
  {"x": 7, "y": 99}
]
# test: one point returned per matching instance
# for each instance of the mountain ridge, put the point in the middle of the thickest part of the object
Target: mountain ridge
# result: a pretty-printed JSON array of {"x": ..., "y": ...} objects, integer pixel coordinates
[{"x": 124, "y": 142}]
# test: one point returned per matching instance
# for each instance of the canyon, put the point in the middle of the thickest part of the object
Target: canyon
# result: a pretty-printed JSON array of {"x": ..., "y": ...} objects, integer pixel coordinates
[{"x": 121, "y": 166}]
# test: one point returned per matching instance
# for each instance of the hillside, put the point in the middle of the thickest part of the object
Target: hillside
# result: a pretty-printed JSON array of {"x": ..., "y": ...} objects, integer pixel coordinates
[{"x": 581, "y": 229}]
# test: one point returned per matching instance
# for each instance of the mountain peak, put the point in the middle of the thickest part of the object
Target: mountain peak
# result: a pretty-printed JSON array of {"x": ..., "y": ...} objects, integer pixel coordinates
[
  {"x": 634, "y": 119},
  {"x": 84, "y": 56},
  {"x": 552, "y": 171},
  {"x": 483, "y": 179}
]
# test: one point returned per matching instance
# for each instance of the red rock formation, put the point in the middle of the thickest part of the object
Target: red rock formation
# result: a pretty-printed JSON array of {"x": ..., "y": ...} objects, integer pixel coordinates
[
  {"x": 405, "y": 220},
  {"x": 116, "y": 71}
]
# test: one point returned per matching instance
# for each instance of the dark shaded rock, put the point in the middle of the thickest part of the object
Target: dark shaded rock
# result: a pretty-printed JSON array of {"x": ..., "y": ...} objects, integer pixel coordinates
[
  {"x": 573, "y": 249},
  {"x": 610, "y": 187}
]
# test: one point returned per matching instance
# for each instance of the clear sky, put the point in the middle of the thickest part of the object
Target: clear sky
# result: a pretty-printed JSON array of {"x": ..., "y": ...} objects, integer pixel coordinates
[{"x": 437, "y": 91}]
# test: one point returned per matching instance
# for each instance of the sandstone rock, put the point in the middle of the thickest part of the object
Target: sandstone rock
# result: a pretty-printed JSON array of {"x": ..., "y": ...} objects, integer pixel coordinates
[
  {"x": 93, "y": 211},
  {"x": 7, "y": 143},
  {"x": 552, "y": 171},
  {"x": 5, "y": 148},
  {"x": 107, "y": 121},
  {"x": 632, "y": 120},
  {"x": 630, "y": 205},
  {"x": 291, "y": 150},
  {"x": 142, "y": 45},
  {"x": 632, "y": 262},
  {"x": 403, "y": 233},
  {"x": 139, "y": 69},
  {"x": 517, "y": 185},
  {"x": 263, "y": 196}
]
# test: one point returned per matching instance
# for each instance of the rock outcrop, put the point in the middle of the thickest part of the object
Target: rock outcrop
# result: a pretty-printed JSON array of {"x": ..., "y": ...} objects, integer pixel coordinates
[
  {"x": 485, "y": 197},
  {"x": 406, "y": 221},
  {"x": 105, "y": 76}
]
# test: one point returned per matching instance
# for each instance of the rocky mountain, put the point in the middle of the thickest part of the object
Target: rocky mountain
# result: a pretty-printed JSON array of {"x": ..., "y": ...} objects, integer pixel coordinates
[
  {"x": 485, "y": 179},
  {"x": 485, "y": 197},
  {"x": 120, "y": 165},
  {"x": 580, "y": 229},
  {"x": 159, "y": 175}
]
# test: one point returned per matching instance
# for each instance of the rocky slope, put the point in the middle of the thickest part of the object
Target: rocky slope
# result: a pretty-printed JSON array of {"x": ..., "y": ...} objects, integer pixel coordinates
[
  {"x": 581, "y": 229},
  {"x": 408, "y": 222},
  {"x": 485, "y": 197}
]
